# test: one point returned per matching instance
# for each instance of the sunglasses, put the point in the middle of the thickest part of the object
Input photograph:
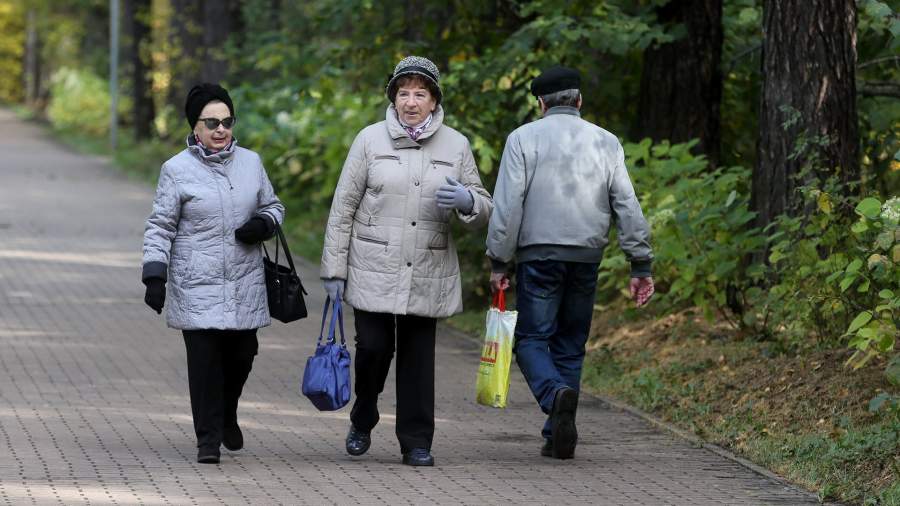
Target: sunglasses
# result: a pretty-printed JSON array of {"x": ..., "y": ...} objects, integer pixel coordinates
[{"x": 213, "y": 123}]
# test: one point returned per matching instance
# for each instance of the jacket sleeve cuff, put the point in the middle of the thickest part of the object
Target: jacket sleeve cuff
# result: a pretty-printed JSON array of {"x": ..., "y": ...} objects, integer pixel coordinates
[
  {"x": 641, "y": 268},
  {"x": 157, "y": 270},
  {"x": 498, "y": 265}
]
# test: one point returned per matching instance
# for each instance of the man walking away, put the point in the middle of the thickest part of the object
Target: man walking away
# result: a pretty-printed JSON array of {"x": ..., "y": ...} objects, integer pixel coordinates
[{"x": 562, "y": 180}]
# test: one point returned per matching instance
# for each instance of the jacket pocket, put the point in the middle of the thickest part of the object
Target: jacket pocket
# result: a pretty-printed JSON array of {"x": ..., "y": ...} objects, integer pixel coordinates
[
  {"x": 371, "y": 240},
  {"x": 387, "y": 157},
  {"x": 441, "y": 163}
]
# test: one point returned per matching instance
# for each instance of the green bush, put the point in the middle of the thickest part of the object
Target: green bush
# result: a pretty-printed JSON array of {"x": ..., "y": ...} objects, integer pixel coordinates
[
  {"x": 79, "y": 101},
  {"x": 700, "y": 233}
]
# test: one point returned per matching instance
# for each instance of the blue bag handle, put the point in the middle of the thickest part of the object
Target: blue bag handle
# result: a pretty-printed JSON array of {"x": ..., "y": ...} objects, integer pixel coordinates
[{"x": 337, "y": 319}]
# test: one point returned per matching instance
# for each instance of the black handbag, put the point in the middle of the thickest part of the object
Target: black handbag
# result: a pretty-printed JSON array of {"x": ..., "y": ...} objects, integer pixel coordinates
[{"x": 283, "y": 286}]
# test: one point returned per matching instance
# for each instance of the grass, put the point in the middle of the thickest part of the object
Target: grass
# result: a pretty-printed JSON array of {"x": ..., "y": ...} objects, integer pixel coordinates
[{"x": 798, "y": 412}]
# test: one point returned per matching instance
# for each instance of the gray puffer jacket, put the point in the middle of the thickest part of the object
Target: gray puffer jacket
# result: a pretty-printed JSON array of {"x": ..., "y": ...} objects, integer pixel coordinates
[
  {"x": 214, "y": 280},
  {"x": 386, "y": 234}
]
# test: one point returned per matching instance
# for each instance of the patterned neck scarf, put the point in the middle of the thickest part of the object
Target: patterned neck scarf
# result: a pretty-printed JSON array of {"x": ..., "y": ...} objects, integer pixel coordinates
[{"x": 415, "y": 131}]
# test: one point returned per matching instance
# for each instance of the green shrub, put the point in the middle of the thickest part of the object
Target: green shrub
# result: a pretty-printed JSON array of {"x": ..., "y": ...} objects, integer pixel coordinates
[
  {"x": 700, "y": 233},
  {"x": 79, "y": 101}
]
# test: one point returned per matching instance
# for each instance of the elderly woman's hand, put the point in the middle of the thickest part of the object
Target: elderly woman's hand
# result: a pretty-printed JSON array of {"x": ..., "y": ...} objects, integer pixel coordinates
[
  {"x": 334, "y": 287},
  {"x": 256, "y": 230},
  {"x": 454, "y": 195}
]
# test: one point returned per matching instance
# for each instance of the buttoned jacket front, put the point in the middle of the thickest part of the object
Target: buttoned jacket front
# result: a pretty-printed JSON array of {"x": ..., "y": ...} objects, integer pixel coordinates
[{"x": 386, "y": 236}]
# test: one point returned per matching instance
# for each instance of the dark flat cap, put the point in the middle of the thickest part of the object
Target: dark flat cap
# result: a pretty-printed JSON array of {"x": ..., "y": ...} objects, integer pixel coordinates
[
  {"x": 555, "y": 79},
  {"x": 202, "y": 94}
]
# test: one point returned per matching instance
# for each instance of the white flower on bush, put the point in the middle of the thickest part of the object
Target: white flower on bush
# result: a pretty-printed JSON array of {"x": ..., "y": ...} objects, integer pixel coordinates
[{"x": 890, "y": 211}]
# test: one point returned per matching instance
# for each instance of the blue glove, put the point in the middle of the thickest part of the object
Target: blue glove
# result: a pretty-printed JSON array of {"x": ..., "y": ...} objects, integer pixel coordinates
[
  {"x": 454, "y": 195},
  {"x": 334, "y": 287}
]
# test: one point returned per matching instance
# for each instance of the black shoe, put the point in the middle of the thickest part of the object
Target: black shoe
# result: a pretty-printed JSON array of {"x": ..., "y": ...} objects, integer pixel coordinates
[
  {"x": 358, "y": 441},
  {"x": 232, "y": 438},
  {"x": 208, "y": 455},
  {"x": 418, "y": 457},
  {"x": 562, "y": 423},
  {"x": 547, "y": 448}
]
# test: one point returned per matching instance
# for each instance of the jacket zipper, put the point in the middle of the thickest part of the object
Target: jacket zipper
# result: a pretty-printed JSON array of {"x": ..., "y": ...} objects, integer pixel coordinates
[{"x": 373, "y": 241}]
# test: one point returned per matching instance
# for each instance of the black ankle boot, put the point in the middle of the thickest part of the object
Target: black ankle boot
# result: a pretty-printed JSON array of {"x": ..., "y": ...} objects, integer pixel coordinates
[
  {"x": 358, "y": 441},
  {"x": 208, "y": 455},
  {"x": 418, "y": 457},
  {"x": 232, "y": 438}
]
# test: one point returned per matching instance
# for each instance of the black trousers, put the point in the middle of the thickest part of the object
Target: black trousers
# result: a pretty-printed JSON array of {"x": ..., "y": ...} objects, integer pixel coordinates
[
  {"x": 219, "y": 362},
  {"x": 376, "y": 335}
]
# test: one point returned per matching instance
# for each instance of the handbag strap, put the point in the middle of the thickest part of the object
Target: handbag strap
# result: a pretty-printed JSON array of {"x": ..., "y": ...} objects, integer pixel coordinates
[
  {"x": 282, "y": 242},
  {"x": 337, "y": 320},
  {"x": 499, "y": 301}
]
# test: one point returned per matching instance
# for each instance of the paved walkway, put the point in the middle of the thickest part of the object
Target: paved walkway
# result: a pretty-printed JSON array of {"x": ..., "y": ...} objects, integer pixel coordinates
[{"x": 94, "y": 400}]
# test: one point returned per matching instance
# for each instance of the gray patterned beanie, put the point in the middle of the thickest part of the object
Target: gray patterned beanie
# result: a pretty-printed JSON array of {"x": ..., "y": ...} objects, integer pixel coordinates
[{"x": 415, "y": 65}]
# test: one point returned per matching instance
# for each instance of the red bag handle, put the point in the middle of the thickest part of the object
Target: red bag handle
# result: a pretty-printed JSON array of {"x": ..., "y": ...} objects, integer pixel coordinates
[{"x": 499, "y": 301}]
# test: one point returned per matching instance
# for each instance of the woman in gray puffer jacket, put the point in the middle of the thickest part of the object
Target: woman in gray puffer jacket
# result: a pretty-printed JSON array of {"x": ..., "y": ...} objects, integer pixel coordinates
[{"x": 214, "y": 205}]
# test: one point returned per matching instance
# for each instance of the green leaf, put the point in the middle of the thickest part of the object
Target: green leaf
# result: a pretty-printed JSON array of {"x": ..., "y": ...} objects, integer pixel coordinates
[
  {"x": 859, "y": 227},
  {"x": 869, "y": 207},
  {"x": 854, "y": 266},
  {"x": 878, "y": 10},
  {"x": 886, "y": 294},
  {"x": 885, "y": 240},
  {"x": 886, "y": 343},
  {"x": 876, "y": 402},
  {"x": 892, "y": 371},
  {"x": 860, "y": 320},
  {"x": 863, "y": 287},
  {"x": 846, "y": 282},
  {"x": 731, "y": 197}
]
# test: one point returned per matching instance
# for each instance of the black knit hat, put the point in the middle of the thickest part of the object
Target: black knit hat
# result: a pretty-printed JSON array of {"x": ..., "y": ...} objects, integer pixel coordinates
[
  {"x": 555, "y": 79},
  {"x": 202, "y": 94}
]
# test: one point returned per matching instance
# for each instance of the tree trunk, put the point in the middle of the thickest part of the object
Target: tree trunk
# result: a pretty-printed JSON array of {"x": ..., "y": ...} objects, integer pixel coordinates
[
  {"x": 137, "y": 33},
  {"x": 216, "y": 28},
  {"x": 681, "y": 84},
  {"x": 807, "y": 119},
  {"x": 32, "y": 61},
  {"x": 187, "y": 50}
]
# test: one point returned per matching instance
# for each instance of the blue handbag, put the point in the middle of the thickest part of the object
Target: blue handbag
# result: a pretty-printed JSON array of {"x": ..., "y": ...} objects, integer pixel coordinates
[{"x": 326, "y": 379}]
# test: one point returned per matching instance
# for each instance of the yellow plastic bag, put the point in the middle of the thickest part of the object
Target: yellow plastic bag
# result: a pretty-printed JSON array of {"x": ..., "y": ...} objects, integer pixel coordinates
[{"x": 496, "y": 354}]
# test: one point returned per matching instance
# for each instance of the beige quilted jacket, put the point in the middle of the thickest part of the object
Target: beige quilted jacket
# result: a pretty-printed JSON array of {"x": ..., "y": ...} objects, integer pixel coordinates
[{"x": 386, "y": 235}]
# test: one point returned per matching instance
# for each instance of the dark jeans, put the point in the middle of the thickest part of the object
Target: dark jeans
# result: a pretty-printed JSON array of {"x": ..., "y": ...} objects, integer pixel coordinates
[
  {"x": 219, "y": 362},
  {"x": 375, "y": 344},
  {"x": 555, "y": 301}
]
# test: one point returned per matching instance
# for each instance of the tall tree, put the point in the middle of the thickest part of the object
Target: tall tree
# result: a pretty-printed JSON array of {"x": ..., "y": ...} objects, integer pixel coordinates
[
  {"x": 186, "y": 56},
  {"x": 32, "y": 72},
  {"x": 137, "y": 32},
  {"x": 808, "y": 117},
  {"x": 681, "y": 83},
  {"x": 217, "y": 24}
]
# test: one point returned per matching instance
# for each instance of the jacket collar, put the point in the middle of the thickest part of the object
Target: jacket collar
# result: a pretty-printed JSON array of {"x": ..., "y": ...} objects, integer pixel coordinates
[
  {"x": 204, "y": 155},
  {"x": 399, "y": 135},
  {"x": 563, "y": 109}
]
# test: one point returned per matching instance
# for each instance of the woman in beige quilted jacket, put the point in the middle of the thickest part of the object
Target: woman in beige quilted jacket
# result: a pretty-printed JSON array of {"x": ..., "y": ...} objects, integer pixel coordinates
[{"x": 388, "y": 251}]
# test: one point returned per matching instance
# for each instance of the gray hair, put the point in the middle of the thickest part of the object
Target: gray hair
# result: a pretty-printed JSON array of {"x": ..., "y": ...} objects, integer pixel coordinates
[{"x": 564, "y": 97}]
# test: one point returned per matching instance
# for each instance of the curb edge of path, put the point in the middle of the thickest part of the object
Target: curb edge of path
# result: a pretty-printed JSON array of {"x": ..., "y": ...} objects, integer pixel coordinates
[{"x": 671, "y": 429}]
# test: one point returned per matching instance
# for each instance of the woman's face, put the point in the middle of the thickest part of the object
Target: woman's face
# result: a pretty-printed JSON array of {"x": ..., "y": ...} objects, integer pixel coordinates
[
  {"x": 414, "y": 103},
  {"x": 215, "y": 139}
]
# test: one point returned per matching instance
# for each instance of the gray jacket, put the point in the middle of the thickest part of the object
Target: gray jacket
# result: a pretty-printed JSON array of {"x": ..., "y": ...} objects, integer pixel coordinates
[
  {"x": 386, "y": 235},
  {"x": 214, "y": 280},
  {"x": 562, "y": 181}
]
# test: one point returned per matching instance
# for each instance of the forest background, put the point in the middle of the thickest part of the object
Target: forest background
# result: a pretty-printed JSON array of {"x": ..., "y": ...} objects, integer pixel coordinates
[{"x": 763, "y": 139}]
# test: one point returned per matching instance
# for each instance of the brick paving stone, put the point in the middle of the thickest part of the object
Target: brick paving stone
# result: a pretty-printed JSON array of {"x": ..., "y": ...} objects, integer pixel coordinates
[{"x": 94, "y": 400}]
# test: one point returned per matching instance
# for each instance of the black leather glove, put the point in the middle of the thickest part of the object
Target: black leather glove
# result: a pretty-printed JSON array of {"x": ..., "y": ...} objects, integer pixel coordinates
[
  {"x": 256, "y": 230},
  {"x": 155, "y": 296}
]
